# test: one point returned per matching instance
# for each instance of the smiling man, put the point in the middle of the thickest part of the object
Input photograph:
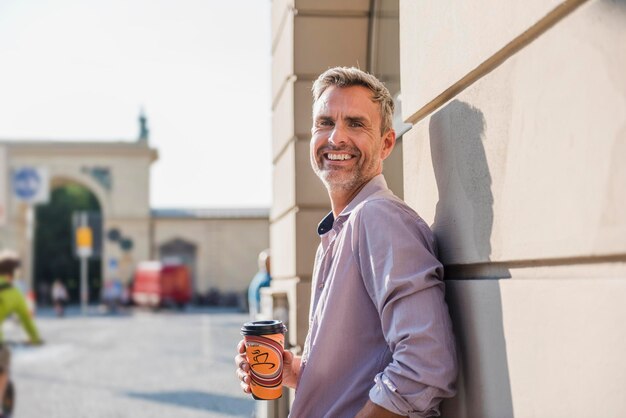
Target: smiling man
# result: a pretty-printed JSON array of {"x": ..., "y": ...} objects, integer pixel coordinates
[{"x": 380, "y": 340}]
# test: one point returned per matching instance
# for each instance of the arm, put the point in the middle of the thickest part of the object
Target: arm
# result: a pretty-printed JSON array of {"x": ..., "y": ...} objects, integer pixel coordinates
[
  {"x": 291, "y": 368},
  {"x": 371, "y": 410},
  {"x": 403, "y": 277},
  {"x": 25, "y": 319}
]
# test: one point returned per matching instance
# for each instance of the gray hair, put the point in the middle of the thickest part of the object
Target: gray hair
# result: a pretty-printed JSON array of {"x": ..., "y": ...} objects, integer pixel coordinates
[{"x": 351, "y": 76}]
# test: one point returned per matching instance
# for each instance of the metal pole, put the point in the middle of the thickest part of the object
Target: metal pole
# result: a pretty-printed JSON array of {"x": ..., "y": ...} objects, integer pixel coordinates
[
  {"x": 84, "y": 290},
  {"x": 28, "y": 274},
  {"x": 84, "y": 280}
]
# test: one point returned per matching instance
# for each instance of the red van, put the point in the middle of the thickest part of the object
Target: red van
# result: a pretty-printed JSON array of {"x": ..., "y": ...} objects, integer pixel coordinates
[{"x": 157, "y": 284}]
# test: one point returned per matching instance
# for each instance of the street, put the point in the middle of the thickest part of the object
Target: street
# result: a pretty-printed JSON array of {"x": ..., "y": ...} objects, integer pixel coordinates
[{"x": 136, "y": 364}]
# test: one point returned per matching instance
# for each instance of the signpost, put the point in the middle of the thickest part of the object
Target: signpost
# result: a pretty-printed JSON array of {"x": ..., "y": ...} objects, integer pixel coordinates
[
  {"x": 31, "y": 184},
  {"x": 84, "y": 250}
]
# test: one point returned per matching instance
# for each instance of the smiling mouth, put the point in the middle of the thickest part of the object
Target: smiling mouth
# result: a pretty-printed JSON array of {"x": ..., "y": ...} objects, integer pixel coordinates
[{"x": 338, "y": 157}]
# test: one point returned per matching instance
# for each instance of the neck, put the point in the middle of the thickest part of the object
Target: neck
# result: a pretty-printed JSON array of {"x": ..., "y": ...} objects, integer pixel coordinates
[{"x": 339, "y": 199}]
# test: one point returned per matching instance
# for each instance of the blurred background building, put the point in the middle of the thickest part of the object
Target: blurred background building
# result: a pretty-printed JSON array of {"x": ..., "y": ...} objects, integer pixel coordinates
[
  {"x": 44, "y": 184},
  {"x": 515, "y": 156}
]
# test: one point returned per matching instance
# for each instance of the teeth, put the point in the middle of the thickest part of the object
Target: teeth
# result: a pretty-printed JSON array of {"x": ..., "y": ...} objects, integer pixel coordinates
[{"x": 339, "y": 157}]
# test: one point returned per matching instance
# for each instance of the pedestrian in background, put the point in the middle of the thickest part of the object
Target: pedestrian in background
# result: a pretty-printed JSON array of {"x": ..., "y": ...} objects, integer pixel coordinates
[
  {"x": 59, "y": 297},
  {"x": 262, "y": 279}
]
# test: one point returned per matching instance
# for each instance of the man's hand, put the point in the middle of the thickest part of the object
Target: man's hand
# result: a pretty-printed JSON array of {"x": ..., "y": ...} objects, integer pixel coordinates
[
  {"x": 371, "y": 410},
  {"x": 291, "y": 368},
  {"x": 243, "y": 367}
]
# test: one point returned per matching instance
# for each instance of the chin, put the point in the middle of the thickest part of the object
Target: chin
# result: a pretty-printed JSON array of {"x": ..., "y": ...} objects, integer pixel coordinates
[{"x": 334, "y": 182}]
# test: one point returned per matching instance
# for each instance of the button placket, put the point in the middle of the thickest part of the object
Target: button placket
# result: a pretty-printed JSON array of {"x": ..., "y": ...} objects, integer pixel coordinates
[{"x": 326, "y": 259}]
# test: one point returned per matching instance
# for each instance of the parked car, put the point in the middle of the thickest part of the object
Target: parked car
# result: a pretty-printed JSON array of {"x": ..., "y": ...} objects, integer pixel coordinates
[{"x": 157, "y": 284}]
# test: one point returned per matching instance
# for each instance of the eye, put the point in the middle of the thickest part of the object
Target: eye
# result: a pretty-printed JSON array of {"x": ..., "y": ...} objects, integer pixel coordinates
[
  {"x": 356, "y": 124},
  {"x": 325, "y": 122}
]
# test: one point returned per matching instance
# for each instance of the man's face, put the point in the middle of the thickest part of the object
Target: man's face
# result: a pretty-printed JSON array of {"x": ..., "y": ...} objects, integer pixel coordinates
[{"x": 347, "y": 148}]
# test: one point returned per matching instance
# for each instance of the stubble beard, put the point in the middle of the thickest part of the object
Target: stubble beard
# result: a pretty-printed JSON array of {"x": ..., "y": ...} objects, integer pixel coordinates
[{"x": 342, "y": 179}]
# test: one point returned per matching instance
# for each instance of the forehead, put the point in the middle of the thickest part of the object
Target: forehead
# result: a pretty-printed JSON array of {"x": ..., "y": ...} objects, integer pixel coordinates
[{"x": 350, "y": 101}]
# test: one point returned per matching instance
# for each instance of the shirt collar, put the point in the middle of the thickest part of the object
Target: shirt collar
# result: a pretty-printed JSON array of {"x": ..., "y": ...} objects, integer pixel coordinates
[
  {"x": 374, "y": 185},
  {"x": 326, "y": 224}
]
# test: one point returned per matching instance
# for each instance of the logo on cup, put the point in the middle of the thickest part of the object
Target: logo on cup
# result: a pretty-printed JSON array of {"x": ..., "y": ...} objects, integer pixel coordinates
[{"x": 266, "y": 360}]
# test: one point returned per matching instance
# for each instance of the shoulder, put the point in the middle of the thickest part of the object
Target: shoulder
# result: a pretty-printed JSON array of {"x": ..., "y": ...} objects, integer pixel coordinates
[
  {"x": 389, "y": 209},
  {"x": 386, "y": 218}
]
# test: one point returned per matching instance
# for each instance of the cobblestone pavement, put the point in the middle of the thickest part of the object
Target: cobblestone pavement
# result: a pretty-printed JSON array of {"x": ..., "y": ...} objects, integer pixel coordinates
[{"x": 136, "y": 364}]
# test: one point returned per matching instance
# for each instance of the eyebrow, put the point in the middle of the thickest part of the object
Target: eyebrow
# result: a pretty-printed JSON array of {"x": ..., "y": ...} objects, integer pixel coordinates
[
  {"x": 349, "y": 119},
  {"x": 323, "y": 118},
  {"x": 358, "y": 119}
]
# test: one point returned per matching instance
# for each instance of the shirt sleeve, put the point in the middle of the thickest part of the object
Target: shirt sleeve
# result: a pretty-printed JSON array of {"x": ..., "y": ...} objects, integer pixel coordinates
[{"x": 396, "y": 255}]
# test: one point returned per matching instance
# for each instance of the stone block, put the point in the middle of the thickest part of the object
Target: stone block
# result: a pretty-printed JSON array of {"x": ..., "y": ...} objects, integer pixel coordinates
[
  {"x": 284, "y": 182},
  {"x": 444, "y": 40},
  {"x": 525, "y": 343},
  {"x": 323, "y": 42}
]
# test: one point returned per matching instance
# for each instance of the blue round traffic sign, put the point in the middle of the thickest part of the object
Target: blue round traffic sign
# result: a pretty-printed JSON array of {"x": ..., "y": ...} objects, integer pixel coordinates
[{"x": 26, "y": 183}]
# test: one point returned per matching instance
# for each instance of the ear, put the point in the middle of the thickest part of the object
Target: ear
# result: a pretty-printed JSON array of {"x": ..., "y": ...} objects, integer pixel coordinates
[{"x": 389, "y": 141}]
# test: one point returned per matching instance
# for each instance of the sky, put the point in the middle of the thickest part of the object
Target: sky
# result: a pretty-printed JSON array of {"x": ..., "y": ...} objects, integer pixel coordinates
[{"x": 83, "y": 69}]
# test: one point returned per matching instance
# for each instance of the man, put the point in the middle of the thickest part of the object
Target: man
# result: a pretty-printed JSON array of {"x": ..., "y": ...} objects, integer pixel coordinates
[
  {"x": 11, "y": 301},
  {"x": 380, "y": 340}
]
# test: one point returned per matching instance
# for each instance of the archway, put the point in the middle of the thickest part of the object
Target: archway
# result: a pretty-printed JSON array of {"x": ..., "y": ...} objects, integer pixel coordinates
[{"x": 55, "y": 255}]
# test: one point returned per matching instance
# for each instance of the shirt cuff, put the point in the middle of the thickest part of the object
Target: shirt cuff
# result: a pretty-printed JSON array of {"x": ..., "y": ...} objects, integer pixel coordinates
[{"x": 385, "y": 394}]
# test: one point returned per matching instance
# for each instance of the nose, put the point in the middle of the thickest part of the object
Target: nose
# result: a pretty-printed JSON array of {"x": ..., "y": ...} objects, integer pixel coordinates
[{"x": 338, "y": 135}]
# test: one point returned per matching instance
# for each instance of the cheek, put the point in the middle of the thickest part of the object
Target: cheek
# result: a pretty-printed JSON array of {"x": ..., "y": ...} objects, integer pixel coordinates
[
  {"x": 316, "y": 143},
  {"x": 366, "y": 146}
]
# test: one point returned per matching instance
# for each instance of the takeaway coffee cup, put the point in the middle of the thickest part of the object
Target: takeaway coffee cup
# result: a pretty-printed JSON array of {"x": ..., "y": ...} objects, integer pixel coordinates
[{"x": 265, "y": 341}]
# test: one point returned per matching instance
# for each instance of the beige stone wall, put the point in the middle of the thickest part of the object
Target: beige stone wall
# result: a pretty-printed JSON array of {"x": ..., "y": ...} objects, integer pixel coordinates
[
  {"x": 516, "y": 159},
  {"x": 227, "y": 249}
]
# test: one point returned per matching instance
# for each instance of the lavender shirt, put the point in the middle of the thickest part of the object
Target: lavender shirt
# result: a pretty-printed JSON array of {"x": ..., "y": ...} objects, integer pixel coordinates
[{"x": 379, "y": 327}]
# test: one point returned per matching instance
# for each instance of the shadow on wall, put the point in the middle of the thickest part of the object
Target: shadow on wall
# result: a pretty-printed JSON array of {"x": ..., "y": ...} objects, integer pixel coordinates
[
  {"x": 464, "y": 214},
  {"x": 463, "y": 224}
]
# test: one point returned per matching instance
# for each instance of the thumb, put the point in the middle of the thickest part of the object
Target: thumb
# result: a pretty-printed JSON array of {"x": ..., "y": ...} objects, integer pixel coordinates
[{"x": 287, "y": 357}]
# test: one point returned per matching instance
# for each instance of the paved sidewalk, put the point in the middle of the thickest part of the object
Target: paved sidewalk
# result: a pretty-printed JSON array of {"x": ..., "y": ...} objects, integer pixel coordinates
[{"x": 138, "y": 364}]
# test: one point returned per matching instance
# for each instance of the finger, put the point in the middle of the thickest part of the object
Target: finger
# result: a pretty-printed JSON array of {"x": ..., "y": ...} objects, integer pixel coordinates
[
  {"x": 243, "y": 376},
  {"x": 238, "y": 359},
  {"x": 287, "y": 357},
  {"x": 241, "y": 347},
  {"x": 245, "y": 366},
  {"x": 245, "y": 387},
  {"x": 242, "y": 363}
]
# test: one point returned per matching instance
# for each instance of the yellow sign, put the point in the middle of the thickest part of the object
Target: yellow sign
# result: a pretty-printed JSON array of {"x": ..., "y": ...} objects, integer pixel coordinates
[{"x": 84, "y": 237}]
